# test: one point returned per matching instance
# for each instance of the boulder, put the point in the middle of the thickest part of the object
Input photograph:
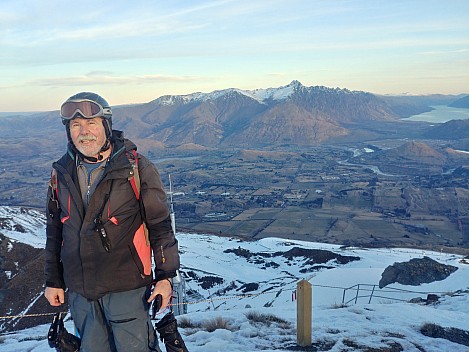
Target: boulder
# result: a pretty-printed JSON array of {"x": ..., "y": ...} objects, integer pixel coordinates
[{"x": 415, "y": 272}]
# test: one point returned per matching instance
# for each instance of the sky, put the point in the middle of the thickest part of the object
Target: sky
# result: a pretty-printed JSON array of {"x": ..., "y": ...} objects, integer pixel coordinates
[
  {"x": 136, "y": 51},
  {"x": 366, "y": 324}
]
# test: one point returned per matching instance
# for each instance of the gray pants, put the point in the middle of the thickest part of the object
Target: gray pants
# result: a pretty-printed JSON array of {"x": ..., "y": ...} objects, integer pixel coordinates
[{"x": 117, "y": 322}]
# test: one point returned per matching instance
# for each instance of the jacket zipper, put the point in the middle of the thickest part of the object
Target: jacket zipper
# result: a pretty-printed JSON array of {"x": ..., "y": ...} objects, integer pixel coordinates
[
  {"x": 88, "y": 194},
  {"x": 88, "y": 186}
]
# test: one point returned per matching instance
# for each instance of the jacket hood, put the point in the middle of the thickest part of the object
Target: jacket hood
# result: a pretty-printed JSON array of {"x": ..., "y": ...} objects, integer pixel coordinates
[{"x": 118, "y": 141}]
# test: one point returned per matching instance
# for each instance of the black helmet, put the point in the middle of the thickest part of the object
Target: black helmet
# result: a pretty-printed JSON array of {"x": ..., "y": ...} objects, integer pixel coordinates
[{"x": 87, "y": 105}]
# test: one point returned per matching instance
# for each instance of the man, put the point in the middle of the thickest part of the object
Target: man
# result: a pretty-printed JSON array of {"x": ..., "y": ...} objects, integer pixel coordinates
[{"x": 97, "y": 247}]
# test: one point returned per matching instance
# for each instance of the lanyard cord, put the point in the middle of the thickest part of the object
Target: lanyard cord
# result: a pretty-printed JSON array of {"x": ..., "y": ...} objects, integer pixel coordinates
[{"x": 99, "y": 226}]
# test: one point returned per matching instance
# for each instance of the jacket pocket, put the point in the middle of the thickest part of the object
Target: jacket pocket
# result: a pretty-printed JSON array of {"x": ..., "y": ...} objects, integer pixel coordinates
[{"x": 143, "y": 250}]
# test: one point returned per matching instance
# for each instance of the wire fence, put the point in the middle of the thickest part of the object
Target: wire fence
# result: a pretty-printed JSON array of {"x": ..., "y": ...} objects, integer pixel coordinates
[{"x": 358, "y": 291}]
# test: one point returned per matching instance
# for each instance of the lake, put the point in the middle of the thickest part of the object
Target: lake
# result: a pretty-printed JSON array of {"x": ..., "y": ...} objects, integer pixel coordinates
[{"x": 441, "y": 114}]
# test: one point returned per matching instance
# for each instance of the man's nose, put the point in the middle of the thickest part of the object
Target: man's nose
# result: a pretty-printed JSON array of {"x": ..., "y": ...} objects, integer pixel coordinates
[{"x": 84, "y": 129}]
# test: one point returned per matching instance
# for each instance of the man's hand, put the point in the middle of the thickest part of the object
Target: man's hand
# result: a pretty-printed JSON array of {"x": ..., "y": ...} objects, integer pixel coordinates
[
  {"x": 163, "y": 288},
  {"x": 55, "y": 296}
]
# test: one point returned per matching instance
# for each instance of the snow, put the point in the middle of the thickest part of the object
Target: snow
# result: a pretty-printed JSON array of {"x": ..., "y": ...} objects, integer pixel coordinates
[
  {"x": 377, "y": 324},
  {"x": 263, "y": 96},
  {"x": 280, "y": 93},
  {"x": 260, "y": 95},
  {"x": 23, "y": 225}
]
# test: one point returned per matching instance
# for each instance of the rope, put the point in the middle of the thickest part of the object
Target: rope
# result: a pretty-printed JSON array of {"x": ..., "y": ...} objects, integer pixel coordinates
[
  {"x": 28, "y": 315},
  {"x": 221, "y": 298},
  {"x": 388, "y": 290},
  {"x": 172, "y": 304}
]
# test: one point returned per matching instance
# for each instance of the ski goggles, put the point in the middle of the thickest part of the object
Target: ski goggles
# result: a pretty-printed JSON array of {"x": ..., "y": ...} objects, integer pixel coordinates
[{"x": 83, "y": 108}]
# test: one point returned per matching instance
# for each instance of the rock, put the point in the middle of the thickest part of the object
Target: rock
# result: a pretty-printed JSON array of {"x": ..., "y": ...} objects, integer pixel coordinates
[
  {"x": 417, "y": 300},
  {"x": 432, "y": 298},
  {"x": 415, "y": 272}
]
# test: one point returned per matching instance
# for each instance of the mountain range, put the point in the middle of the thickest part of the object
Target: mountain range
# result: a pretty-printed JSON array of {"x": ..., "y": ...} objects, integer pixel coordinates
[{"x": 288, "y": 115}]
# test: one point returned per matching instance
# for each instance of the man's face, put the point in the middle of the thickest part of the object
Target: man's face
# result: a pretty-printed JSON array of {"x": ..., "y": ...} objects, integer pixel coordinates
[{"x": 88, "y": 135}]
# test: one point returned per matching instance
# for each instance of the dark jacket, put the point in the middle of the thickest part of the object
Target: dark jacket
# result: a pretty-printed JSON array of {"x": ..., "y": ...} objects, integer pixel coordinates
[{"x": 75, "y": 255}]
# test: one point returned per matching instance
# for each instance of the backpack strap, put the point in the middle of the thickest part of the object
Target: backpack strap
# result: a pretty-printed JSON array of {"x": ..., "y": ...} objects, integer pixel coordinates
[
  {"x": 54, "y": 184},
  {"x": 134, "y": 180},
  {"x": 134, "y": 177}
]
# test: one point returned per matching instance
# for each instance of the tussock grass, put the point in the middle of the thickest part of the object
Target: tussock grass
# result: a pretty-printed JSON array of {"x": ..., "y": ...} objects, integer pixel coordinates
[
  {"x": 448, "y": 333},
  {"x": 217, "y": 323},
  {"x": 186, "y": 323},
  {"x": 267, "y": 319},
  {"x": 208, "y": 325}
]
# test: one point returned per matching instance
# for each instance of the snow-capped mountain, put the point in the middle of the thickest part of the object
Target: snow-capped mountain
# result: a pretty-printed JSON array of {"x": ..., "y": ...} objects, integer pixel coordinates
[
  {"x": 291, "y": 114},
  {"x": 248, "y": 289}
]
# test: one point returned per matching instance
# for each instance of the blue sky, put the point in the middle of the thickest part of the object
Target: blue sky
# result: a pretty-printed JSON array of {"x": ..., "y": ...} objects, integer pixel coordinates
[{"x": 135, "y": 51}]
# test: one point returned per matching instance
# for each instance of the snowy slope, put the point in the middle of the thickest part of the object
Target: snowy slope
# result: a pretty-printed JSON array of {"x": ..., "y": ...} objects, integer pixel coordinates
[
  {"x": 23, "y": 225},
  {"x": 228, "y": 279},
  {"x": 204, "y": 255}
]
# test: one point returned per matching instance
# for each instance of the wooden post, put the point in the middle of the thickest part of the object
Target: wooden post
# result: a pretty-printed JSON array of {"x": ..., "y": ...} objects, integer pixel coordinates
[{"x": 304, "y": 313}]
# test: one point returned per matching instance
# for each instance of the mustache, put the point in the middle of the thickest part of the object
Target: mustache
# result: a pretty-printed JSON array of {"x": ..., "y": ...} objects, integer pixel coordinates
[{"x": 86, "y": 138}]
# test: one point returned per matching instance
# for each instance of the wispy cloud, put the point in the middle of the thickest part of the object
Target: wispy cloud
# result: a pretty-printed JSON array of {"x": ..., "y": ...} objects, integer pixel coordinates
[
  {"x": 103, "y": 78},
  {"x": 445, "y": 52}
]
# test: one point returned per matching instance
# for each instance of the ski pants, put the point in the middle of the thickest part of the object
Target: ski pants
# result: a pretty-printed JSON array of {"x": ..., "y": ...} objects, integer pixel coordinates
[{"x": 117, "y": 322}]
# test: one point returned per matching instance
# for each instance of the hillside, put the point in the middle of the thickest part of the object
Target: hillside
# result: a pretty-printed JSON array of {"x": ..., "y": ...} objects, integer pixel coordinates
[
  {"x": 451, "y": 130},
  {"x": 461, "y": 103},
  {"x": 417, "y": 152},
  {"x": 244, "y": 291}
]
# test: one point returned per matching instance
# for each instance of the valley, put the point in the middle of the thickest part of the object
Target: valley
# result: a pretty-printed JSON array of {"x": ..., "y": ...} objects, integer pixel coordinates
[
  {"x": 319, "y": 195},
  {"x": 348, "y": 194}
]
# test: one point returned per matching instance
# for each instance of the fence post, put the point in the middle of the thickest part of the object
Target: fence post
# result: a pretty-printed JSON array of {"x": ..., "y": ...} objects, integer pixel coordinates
[
  {"x": 358, "y": 291},
  {"x": 371, "y": 295},
  {"x": 304, "y": 313}
]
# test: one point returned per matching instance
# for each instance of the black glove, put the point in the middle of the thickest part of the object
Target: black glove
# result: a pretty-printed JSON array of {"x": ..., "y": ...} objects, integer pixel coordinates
[
  {"x": 168, "y": 330},
  {"x": 59, "y": 338}
]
